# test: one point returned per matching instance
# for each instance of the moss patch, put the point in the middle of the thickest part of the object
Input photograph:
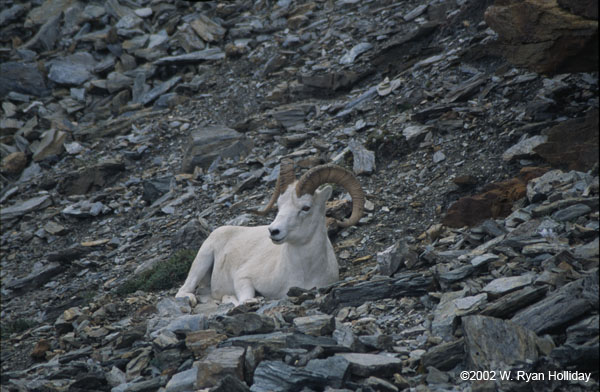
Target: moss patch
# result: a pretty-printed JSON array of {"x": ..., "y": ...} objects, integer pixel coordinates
[{"x": 162, "y": 276}]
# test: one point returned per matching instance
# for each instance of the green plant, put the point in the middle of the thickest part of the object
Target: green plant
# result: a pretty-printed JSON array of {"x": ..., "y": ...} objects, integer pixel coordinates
[
  {"x": 162, "y": 276},
  {"x": 16, "y": 326}
]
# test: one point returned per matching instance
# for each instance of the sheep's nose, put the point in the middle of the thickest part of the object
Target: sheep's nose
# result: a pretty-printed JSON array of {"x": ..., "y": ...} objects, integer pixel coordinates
[{"x": 273, "y": 232}]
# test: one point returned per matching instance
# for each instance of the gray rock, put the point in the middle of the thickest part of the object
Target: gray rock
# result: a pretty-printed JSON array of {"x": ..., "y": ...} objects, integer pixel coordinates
[
  {"x": 587, "y": 251},
  {"x": 393, "y": 257},
  {"x": 85, "y": 209},
  {"x": 52, "y": 143},
  {"x": 492, "y": 343},
  {"x": 183, "y": 381},
  {"x": 435, "y": 376},
  {"x": 570, "y": 213},
  {"x": 230, "y": 384},
  {"x": 510, "y": 303},
  {"x": 408, "y": 284},
  {"x": 73, "y": 70},
  {"x": 244, "y": 324},
  {"x": 23, "y": 78},
  {"x": 276, "y": 376},
  {"x": 416, "y": 12},
  {"x": 363, "y": 159},
  {"x": 116, "y": 81},
  {"x": 451, "y": 306},
  {"x": 38, "y": 277},
  {"x": 24, "y": 207},
  {"x": 316, "y": 325},
  {"x": 501, "y": 286},
  {"x": 334, "y": 369},
  {"x": 563, "y": 305},
  {"x": 445, "y": 356},
  {"x": 159, "y": 90},
  {"x": 218, "y": 363},
  {"x": 46, "y": 37},
  {"x": 207, "y": 144},
  {"x": 524, "y": 148},
  {"x": 8, "y": 15},
  {"x": 438, "y": 157},
  {"x": 482, "y": 260},
  {"x": 365, "y": 365},
  {"x": 357, "y": 50},
  {"x": 193, "y": 57},
  {"x": 415, "y": 134}
]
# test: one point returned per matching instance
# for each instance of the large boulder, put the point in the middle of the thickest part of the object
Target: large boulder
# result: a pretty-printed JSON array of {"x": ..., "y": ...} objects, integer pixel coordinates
[
  {"x": 572, "y": 144},
  {"x": 546, "y": 36}
]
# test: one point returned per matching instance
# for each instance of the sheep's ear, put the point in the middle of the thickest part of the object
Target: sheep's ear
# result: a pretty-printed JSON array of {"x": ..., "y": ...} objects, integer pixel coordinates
[{"x": 323, "y": 194}]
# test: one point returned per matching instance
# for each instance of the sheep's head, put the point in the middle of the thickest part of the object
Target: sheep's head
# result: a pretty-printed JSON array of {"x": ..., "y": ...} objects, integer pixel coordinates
[{"x": 302, "y": 204}]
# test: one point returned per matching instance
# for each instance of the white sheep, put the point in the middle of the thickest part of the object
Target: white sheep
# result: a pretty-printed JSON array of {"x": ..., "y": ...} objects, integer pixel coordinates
[{"x": 294, "y": 250}]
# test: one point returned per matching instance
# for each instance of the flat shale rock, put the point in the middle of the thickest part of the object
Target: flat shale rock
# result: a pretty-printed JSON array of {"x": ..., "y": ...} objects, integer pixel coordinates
[
  {"x": 561, "y": 306},
  {"x": 24, "y": 207},
  {"x": 92, "y": 178},
  {"x": 445, "y": 356},
  {"x": 317, "y": 325},
  {"x": 409, "y": 284},
  {"x": 276, "y": 376},
  {"x": 72, "y": 70},
  {"x": 245, "y": 324},
  {"x": 492, "y": 343},
  {"x": 581, "y": 347},
  {"x": 501, "y": 286},
  {"x": 512, "y": 302},
  {"x": 208, "y": 143},
  {"x": 219, "y": 363},
  {"x": 365, "y": 365}
]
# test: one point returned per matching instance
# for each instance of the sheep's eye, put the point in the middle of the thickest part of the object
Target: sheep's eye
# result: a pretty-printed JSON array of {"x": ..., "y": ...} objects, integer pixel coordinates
[{"x": 306, "y": 208}]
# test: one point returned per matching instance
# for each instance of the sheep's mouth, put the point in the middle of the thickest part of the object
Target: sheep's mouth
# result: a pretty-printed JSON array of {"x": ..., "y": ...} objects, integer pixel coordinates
[{"x": 277, "y": 241}]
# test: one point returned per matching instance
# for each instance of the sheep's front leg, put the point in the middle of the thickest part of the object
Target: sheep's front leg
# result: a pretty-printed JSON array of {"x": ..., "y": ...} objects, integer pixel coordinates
[
  {"x": 244, "y": 290},
  {"x": 200, "y": 266}
]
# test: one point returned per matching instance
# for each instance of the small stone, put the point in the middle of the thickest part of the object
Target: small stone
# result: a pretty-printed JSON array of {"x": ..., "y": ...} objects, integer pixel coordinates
[
  {"x": 183, "y": 381},
  {"x": 198, "y": 342},
  {"x": 51, "y": 144},
  {"x": 317, "y": 325},
  {"x": 54, "y": 228},
  {"x": 357, "y": 50},
  {"x": 14, "y": 163},
  {"x": 501, "y": 286},
  {"x": 365, "y": 365},
  {"x": 438, "y": 157},
  {"x": 483, "y": 259},
  {"x": 143, "y": 12}
]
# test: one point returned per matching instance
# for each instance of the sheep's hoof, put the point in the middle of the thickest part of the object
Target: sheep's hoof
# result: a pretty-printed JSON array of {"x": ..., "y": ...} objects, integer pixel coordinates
[{"x": 191, "y": 297}]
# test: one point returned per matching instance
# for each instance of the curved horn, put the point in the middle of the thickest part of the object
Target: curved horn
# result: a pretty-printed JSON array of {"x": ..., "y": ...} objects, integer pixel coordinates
[
  {"x": 330, "y": 173},
  {"x": 286, "y": 177}
]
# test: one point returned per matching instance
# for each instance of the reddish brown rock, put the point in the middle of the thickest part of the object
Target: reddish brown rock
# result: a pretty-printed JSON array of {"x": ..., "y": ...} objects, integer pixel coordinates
[
  {"x": 545, "y": 37},
  {"x": 572, "y": 144},
  {"x": 14, "y": 163},
  {"x": 495, "y": 201},
  {"x": 40, "y": 349}
]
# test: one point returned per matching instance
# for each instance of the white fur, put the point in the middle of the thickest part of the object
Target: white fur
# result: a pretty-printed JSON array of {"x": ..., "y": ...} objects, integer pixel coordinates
[{"x": 294, "y": 250}]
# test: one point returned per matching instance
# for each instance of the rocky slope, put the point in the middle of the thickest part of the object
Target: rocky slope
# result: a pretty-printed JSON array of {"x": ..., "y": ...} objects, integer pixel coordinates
[{"x": 131, "y": 128}]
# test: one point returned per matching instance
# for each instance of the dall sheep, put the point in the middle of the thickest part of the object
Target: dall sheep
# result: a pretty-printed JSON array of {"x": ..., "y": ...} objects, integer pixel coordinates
[{"x": 294, "y": 250}]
